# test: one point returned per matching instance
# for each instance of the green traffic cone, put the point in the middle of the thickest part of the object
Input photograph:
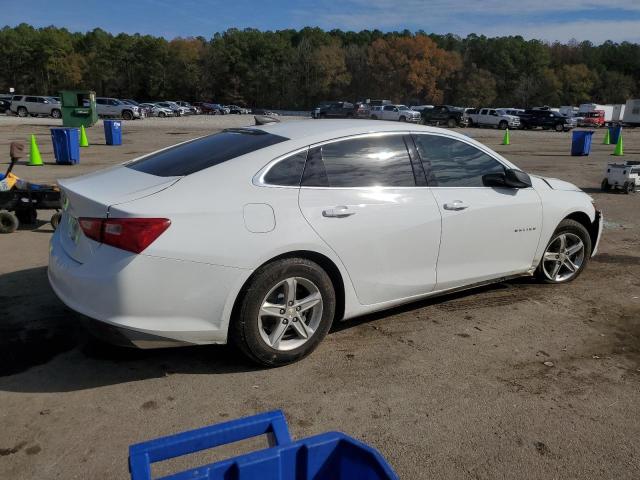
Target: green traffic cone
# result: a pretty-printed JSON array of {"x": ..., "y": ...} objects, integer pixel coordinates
[
  {"x": 619, "y": 151},
  {"x": 506, "y": 140},
  {"x": 84, "y": 142},
  {"x": 34, "y": 154},
  {"x": 607, "y": 137}
]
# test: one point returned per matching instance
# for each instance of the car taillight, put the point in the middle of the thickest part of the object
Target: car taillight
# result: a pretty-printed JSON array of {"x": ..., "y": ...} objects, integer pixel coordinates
[{"x": 131, "y": 234}]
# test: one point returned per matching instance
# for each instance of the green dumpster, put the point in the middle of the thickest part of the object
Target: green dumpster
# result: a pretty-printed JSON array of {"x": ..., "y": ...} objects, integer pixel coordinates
[{"x": 78, "y": 108}]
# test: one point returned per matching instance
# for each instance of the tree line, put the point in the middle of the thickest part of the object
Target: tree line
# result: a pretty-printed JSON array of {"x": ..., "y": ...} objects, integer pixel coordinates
[{"x": 292, "y": 69}]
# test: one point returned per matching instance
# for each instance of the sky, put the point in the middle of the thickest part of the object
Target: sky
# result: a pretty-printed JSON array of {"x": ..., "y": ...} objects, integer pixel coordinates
[{"x": 551, "y": 20}]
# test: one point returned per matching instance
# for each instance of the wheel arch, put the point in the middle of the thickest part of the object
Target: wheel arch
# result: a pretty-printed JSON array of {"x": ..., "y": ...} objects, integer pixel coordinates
[
  {"x": 583, "y": 219},
  {"x": 323, "y": 261}
]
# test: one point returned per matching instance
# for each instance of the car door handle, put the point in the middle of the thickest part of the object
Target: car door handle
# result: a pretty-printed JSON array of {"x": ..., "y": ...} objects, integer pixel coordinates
[
  {"x": 455, "y": 205},
  {"x": 338, "y": 212}
]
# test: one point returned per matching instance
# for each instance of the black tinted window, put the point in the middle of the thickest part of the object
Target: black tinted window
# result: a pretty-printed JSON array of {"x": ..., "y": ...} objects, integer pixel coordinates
[
  {"x": 361, "y": 162},
  {"x": 452, "y": 163},
  {"x": 31, "y": 99},
  {"x": 287, "y": 172},
  {"x": 205, "y": 152}
]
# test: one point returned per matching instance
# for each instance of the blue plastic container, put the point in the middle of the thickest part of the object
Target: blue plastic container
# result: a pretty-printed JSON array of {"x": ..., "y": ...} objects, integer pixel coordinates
[
  {"x": 66, "y": 145},
  {"x": 113, "y": 132},
  {"x": 329, "y": 456},
  {"x": 581, "y": 142},
  {"x": 614, "y": 133}
]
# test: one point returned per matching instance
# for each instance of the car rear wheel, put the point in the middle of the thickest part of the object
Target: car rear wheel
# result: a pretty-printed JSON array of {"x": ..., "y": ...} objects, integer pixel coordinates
[
  {"x": 605, "y": 186},
  {"x": 162, "y": 114},
  {"x": 55, "y": 113},
  {"x": 559, "y": 127},
  {"x": 8, "y": 222},
  {"x": 22, "y": 112},
  {"x": 127, "y": 115},
  {"x": 285, "y": 312},
  {"x": 374, "y": 117},
  {"x": 629, "y": 187},
  {"x": 567, "y": 253},
  {"x": 503, "y": 125},
  {"x": 451, "y": 123}
]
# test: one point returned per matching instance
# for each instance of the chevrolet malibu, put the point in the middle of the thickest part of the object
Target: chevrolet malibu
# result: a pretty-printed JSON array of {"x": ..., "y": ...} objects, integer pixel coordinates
[{"x": 264, "y": 236}]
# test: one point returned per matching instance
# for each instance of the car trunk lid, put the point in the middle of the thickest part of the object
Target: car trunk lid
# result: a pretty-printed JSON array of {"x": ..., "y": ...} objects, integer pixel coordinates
[{"x": 92, "y": 195}]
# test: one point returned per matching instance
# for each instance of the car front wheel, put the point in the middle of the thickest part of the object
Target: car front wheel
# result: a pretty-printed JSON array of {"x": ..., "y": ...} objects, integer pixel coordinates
[
  {"x": 127, "y": 115},
  {"x": 567, "y": 253},
  {"x": 285, "y": 312}
]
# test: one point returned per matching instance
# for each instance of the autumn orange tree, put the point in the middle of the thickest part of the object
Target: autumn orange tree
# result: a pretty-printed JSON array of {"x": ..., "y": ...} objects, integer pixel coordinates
[{"x": 410, "y": 68}]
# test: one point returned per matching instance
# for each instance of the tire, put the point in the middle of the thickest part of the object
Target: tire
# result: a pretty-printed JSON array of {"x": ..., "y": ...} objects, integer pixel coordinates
[
  {"x": 27, "y": 216},
  {"x": 162, "y": 115},
  {"x": 572, "y": 231},
  {"x": 374, "y": 117},
  {"x": 55, "y": 113},
  {"x": 470, "y": 123},
  {"x": 503, "y": 125},
  {"x": 8, "y": 222},
  {"x": 629, "y": 187},
  {"x": 605, "y": 186},
  {"x": 127, "y": 115},
  {"x": 451, "y": 123},
  {"x": 559, "y": 127},
  {"x": 252, "y": 332},
  {"x": 55, "y": 220},
  {"x": 402, "y": 119},
  {"x": 22, "y": 112}
]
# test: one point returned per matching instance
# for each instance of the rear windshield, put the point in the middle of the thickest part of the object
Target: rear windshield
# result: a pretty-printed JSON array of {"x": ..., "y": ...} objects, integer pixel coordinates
[{"x": 205, "y": 152}]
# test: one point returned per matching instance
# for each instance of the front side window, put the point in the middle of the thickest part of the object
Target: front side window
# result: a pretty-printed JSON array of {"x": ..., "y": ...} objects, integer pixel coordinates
[
  {"x": 361, "y": 162},
  {"x": 287, "y": 172},
  {"x": 452, "y": 163}
]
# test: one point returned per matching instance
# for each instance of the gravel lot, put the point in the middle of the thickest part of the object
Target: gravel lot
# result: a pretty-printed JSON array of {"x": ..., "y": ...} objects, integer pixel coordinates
[{"x": 450, "y": 388}]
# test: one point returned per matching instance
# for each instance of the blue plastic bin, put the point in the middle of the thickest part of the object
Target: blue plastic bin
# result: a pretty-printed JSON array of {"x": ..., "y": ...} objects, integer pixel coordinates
[
  {"x": 328, "y": 456},
  {"x": 581, "y": 142},
  {"x": 614, "y": 133},
  {"x": 113, "y": 132},
  {"x": 66, "y": 145}
]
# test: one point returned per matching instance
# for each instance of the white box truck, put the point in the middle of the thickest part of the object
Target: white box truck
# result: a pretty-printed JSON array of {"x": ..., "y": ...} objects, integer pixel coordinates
[
  {"x": 569, "y": 111},
  {"x": 618, "y": 113},
  {"x": 631, "y": 115}
]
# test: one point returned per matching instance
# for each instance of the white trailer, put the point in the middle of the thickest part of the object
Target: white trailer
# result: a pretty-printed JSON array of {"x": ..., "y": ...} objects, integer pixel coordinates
[
  {"x": 590, "y": 107},
  {"x": 569, "y": 111},
  {"x": 618, "y": 113},
  {"x": 631, "y": 115}
]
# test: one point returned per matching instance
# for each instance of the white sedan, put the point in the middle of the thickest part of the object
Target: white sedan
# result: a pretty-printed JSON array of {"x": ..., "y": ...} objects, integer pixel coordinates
[{"x": 266, "y": 235}]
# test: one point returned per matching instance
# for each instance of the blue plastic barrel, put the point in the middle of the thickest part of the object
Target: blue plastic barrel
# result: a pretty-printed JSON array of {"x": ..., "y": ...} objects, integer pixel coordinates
[
  {"x": 113, "y": 132},
  {"x": 66, "y": 145},
  {"x": 328, "y": 456},
  {"x": 581, "y": 142},
  {"x": 614, "y": 133}
]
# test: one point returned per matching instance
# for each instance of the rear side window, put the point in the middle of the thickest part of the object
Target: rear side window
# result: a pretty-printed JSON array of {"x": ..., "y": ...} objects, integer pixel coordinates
[
  {"x": 31, "y": 99},
  {"x": 206, "y": 152},
  {"x": 287, "y": 172},
  {"x": 452, "y": 163},
  {"x": 361, "y": 162}
]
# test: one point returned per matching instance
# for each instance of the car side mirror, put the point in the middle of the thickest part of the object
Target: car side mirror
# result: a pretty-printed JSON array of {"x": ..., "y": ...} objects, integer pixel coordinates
[{"x": 511, "y": 178}]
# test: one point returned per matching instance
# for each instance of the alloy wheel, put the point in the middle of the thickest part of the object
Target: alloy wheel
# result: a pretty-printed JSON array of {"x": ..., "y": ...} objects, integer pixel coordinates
[
  {"x": 290, "y": 314},
  {"x": 563, "y": 258}
]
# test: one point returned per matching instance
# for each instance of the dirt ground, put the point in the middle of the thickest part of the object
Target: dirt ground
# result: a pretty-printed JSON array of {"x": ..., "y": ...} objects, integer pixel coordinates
[{"x": 450, "y": 388}]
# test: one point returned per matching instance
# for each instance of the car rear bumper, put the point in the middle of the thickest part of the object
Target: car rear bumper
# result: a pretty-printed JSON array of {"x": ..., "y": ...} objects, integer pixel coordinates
[{"x": 151, "y": 301}]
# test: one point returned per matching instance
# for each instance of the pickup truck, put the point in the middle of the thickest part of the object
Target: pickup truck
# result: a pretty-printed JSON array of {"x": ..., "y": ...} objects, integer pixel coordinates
[
  {"x": 399, "y": 113},
  {"x": 492, "y": 117},
  {"x": 446, "y": 115},
  {"x": 547, "y": 119},
  {"x": 334, "y": 110}
]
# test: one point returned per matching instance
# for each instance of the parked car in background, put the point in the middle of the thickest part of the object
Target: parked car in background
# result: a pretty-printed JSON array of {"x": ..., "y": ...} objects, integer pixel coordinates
[
  {"x": 386, "y": 214},
  {"x": 361, "y": 110},
  {"x": 24, "y": 105},
  {"x": 112, "y": 107},
  {"x": 156, "y": 110},
  {"x": 264, "y": 111},
  {"x": 594, "y": 119},
  {"x": 235, "y": 109},
  {"x": 400, "y": 113},
  {"x": 444, "y": 115},
  {"x": 420, "y": 108},
  {"x": 190, "y": 109},
  {"x": 334, "y": 110},
  {"x": 178, "y": 111},
  {"x": 144, "y": 111},
  {"x": 512, "y": 111},
  {"x": 492, "y": 117},
  {"x": 5, "y": 105},
  {"x": 546, "y": 119},
  {"x": 205, "y": 108}
]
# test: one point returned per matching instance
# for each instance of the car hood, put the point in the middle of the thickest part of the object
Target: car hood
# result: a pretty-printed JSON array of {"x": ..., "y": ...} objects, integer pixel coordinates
[{"x": 557, "y": 184}]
